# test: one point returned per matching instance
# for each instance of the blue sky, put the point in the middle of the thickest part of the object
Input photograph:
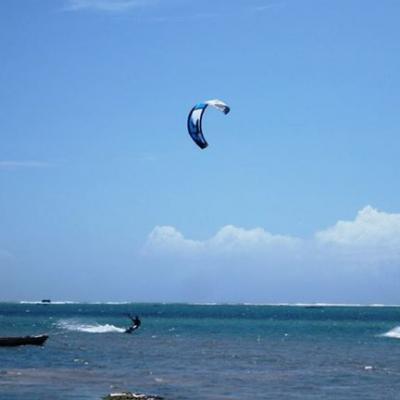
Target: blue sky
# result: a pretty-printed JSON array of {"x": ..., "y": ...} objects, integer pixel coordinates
[{"x": 103, "y": 196}]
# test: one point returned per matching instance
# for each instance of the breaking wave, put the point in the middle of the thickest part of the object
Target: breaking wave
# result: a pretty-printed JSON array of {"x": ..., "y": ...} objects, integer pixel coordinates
[
  {"x": 89, "y": 328},
  {"x": 393, "y": 333},
  {"x": 47, "y": 303}
]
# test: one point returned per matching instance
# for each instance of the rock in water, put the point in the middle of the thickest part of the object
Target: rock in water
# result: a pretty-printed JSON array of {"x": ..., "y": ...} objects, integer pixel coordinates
[{"x": 131, "y": 396}]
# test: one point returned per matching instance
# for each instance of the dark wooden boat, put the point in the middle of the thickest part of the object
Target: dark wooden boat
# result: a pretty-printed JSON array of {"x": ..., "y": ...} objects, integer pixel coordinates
[{"x": 23, "y": 340}]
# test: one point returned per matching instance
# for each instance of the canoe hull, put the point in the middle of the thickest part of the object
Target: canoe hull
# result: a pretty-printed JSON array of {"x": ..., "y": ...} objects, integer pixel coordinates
[{"x": 23, "y": 340}]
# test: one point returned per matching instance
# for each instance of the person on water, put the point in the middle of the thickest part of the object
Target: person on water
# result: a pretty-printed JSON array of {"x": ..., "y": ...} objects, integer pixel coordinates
[{"x": 135, "y": 324}]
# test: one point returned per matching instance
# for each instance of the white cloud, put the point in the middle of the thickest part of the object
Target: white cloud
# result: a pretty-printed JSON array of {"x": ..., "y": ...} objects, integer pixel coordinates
[
  {"x": 168, "y": 239},
  {"x": 119, "y": 6},
  {"x": 9, "y": 164},
  {"x": 269, "y": 6},
  {"x": 370, "y": 228},
  {"x": 229, "y": 239},
  {"x": 104, "y": 5}
]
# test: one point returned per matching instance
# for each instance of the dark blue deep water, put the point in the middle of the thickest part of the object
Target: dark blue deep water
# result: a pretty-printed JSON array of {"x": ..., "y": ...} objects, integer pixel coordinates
[{"x": 202, "y": 352}]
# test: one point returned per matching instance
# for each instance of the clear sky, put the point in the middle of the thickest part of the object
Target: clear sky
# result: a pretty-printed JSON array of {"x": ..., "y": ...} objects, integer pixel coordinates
[{"x": 103, "y": 195}]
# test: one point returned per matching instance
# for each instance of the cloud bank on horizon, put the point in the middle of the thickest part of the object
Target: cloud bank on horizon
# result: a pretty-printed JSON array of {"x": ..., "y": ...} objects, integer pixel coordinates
[
  {"x": 351, "y": 261},
  {"x": 371, "y": 229}
]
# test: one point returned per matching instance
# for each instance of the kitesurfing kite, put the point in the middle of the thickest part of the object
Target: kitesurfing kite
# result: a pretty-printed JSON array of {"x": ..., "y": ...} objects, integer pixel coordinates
[{"x": 195, "y": 117}]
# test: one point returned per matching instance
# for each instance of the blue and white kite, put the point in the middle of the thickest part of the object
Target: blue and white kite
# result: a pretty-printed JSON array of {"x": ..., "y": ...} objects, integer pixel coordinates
[{"x": 195, "y": 117}]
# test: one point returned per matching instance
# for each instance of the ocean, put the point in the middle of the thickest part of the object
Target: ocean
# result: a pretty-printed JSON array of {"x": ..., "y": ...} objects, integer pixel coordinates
[{"x": 202, "y": 352}]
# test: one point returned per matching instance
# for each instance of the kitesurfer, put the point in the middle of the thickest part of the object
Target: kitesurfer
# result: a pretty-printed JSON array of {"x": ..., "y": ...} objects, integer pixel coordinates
[{"x": 135, "y": 324}]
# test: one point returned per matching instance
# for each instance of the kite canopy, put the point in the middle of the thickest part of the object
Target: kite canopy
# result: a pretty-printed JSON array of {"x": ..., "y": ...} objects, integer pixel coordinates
[{"x": 195, "y": 118}]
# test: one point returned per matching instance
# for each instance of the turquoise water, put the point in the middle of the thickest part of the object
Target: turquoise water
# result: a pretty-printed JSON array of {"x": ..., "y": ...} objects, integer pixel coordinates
[{"x": 202, "y": 352}]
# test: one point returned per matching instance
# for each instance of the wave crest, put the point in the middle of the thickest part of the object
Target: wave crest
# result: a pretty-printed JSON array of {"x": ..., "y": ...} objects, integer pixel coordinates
[{"x": 393, "y": 333}]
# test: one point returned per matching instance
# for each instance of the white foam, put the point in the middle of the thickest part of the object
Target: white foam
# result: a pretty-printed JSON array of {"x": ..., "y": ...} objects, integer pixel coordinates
[
  {"x": 89, "y": 328},
  {"x": 318, "y": 304},
  {"x": 393, "y": 333},
  {"x": 51, "y": 302},
  {"x": 217, "y": 304}
]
